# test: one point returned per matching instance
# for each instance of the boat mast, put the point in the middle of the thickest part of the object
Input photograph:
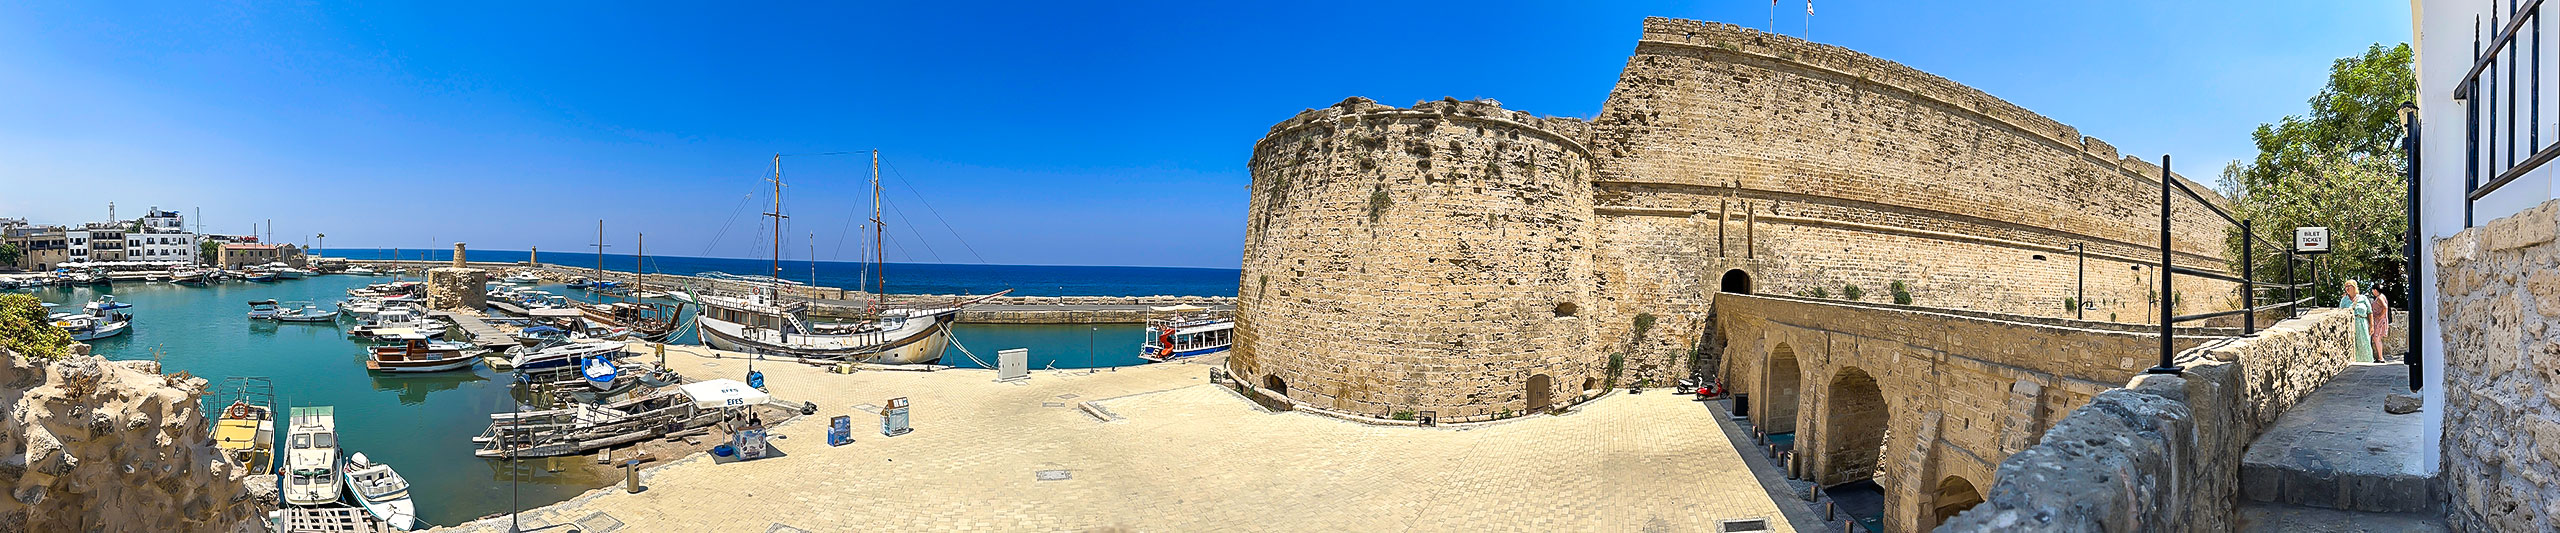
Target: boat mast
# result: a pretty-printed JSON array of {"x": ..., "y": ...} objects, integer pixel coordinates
[
  {"x": 599, "y": 249},
  {"x": 640, "y": 249},
  {"x": 777, "y": 228},
  {"x": 879, "y": 262}
]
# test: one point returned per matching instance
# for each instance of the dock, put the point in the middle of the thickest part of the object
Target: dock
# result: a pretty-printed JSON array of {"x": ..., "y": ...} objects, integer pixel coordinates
[
  {"x": 482, "y": 334},
  {"x": 330, "y": 520}
]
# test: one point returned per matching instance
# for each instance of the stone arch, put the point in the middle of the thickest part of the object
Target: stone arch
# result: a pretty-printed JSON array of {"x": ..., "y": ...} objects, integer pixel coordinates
[
  {"x": 1780, "y": 389},
  {"x": 1854, "y": 421},
  {"x": 1735, "y": 281},
  {"x": 1541, "y": 392},
  {"x": 1954, "y": 495},
  {"x": 1276, "y": 385}
]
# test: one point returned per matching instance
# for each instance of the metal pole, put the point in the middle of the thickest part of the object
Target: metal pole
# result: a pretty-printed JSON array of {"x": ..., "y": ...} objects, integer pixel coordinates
[
  {"x": 2167, "y": 328},
  {"x": 2248, "y": 280},
  {"x": 2292, "y": 287},
  {"x": 2080, "y": 293},
  {"x": 2417, "y": 371}
]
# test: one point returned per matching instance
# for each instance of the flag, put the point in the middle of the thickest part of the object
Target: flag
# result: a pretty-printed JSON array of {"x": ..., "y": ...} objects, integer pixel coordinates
[{"x": 1808, "y": 8}]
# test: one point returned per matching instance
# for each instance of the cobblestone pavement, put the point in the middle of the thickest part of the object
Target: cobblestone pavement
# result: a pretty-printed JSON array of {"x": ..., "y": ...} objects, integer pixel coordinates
[{"x": 1183, "y": 455}]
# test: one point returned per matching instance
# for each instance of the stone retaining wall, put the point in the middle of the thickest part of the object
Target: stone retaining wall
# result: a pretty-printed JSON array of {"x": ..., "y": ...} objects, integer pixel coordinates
[
  {"x": 2163, "y": 453},
  {"x": 2499, "y": 288}
]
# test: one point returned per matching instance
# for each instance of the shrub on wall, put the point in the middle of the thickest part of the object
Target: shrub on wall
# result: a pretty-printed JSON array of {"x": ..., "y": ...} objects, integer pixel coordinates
[
  {"x": 1617, "y": 363},
  {"x": 23, "y": 329},
  {"x": 1852, "y": 293},
  {"x": 2070, "y": 303},
  {"x": 1379, "y": 202}
]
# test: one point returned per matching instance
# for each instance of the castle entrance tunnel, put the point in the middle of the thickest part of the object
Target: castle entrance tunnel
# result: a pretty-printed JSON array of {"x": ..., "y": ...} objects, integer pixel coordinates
[
  {"x": 1778, "y": 405},
  {"x": 1541, "y": 388},
  {"x": 1735, "y": 281}
]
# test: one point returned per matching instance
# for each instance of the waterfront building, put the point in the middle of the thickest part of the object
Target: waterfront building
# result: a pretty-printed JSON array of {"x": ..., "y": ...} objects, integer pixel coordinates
[
  {"x": 39, "y": 247},
  {"x": 236, "y": 255},
  {"x": 97, "y": 242},
  {"x": 163, "y": 237}
]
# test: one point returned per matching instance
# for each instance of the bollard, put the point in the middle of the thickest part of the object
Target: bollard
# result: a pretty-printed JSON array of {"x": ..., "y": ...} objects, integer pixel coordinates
[
  {"x": 1830, "y": 511},
  {"x": 631, "y": 476}
]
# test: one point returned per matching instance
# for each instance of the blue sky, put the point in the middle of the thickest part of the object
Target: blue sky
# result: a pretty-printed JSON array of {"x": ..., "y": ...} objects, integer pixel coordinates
[{"x": 1037, "y": 133}]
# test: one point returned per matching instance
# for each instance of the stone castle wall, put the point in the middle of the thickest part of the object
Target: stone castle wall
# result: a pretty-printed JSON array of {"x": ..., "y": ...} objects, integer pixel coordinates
[
  {"x": 1509, "y": 247},
  {"x": 1813, "y": 166},
  {"x": 2500, "y": 306},
  {"x": 98, "y": 445},
  {"x": 1425, "y": 259}
]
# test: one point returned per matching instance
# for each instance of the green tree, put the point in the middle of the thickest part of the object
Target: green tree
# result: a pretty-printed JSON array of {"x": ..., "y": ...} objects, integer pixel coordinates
[
  {"x": 2339, "y": 167},
  {"x": 23, "y": 329},
  {"x": 9, "y": 254},
  {"x": 209, "y": 252}
]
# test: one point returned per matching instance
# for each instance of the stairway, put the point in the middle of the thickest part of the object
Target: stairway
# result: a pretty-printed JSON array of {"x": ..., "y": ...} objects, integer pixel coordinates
[{"x": 2337, "y": 463}]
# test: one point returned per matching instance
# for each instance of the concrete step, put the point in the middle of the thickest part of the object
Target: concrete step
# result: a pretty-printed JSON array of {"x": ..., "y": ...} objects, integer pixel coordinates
[
  {"x": 2258, "y": 517},
  {"x": 2339, "y": 450}
]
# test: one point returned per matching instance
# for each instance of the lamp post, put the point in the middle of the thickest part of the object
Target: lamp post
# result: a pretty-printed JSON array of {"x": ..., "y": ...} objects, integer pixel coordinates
[{"x": 2409, "y": 247}]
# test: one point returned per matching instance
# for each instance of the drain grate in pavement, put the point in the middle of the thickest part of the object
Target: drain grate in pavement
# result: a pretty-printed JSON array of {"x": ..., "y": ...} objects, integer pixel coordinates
[
  {"x": 1745, "y": 525},
  {"x": 1051, "y": 475},
  {"x": 598, "y": 522},
  {"x": 1053, "y": 404},
  {"x": 867, "y": 408},
  {"x": 1067, "y": 396},
  {"x": 779, "y": 528}
]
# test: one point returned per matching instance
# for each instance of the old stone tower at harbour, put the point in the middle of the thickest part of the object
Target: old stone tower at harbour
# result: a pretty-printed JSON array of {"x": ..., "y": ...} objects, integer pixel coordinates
[{"x": 1477, "y": 262}]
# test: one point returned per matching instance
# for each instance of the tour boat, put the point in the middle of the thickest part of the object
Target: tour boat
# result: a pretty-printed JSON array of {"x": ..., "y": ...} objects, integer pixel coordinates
[
  {"x": 310, "y": 476},
  {"x": 396, "y": 318},
  {"x": 284, "y": 271},
  {"x": 1186, "y": 335},
  {"x": 768, "y": 322},
  {"x": 381, "y": 491},
  {"x": 101, "y": 320},
  {"x": 418, "y": 353}
]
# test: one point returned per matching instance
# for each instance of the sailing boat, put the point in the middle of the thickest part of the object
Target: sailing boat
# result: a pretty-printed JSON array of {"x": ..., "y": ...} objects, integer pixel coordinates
[
  {"x": 772, "y": 323},
  {"x": 655, "y": 322}
]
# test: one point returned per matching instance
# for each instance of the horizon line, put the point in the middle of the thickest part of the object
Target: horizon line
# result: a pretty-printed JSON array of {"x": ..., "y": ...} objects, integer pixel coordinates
[{"x": 1239, "y": 265}]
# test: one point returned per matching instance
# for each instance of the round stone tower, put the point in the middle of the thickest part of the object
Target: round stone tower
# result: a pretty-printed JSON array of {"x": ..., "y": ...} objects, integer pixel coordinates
[{"x": 1427, "y": 260}]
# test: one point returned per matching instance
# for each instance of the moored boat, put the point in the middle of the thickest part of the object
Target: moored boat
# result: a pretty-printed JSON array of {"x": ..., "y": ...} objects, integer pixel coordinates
[
  {"x": 304, "y": 312},
  {"x": 381, "y": 491},
  {"x": 559, "y": 354},
  {"x": 417, "y": 353},
  {"x": 1190, "y": 331},
  {"x": 245, "y": 428},
  {"x": 263, "y": 309},
  {"x": 310, "y": 476},
  {"x": 100, "y": 320}
]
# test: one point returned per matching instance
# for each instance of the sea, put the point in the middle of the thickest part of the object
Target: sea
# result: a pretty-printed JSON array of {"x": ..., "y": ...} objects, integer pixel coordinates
[
  {"x": 421, "y": 424},
  {"x": 903, "y": 278}
]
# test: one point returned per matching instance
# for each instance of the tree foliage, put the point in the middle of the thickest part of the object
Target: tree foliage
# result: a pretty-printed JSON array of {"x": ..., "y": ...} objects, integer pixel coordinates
[
  {"x": 23, "y": 329},
  {"x": 9, "y": 254},
  {"x": 2339, "y": 167}
]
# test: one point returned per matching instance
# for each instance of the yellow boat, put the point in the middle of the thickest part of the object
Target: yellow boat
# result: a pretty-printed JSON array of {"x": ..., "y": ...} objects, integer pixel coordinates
[{"x": 245, "y": 427}]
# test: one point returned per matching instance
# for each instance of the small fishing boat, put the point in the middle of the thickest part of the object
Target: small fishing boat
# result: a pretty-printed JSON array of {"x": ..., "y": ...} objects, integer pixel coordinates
[
  {"x": 522, "y": 277},
  {"x": 419, "y": 353},
  {"x": 599, "y": 371},
  {"x": 358, "y": 271},
  {"x": 583, "y": 427},
  {"x": 245, "y": 428},
  {"x": 1190, "y": 331},
  {"x": 310, "y": 476},
  {"x": 258, "y": 276},
  {"x": 285, "y": 271},
  {"x": 394, "y": 319},
  {"x": 304, "y": 312},
  {"x": 101, "y": 320},
  {"x": 381, "y": 491},
  {"x": 651, "y": 321},
  {"x": 262, "y": 309},
  {"x": 539, "y": 334},
  {"x": 189, "y": 275}
]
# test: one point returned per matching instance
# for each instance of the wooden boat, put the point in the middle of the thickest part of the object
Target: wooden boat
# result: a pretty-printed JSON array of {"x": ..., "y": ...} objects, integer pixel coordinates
[
  {"x": 416, "y": 353},
  {"x": 245, "y": 428},
  {"x": 310, "y": 475},
  {"x": 580, "y": 428},
  {"x": 381, "y": 491},
  {"x": 652, "y": 321},
  {"x": 770, "y": 322}
]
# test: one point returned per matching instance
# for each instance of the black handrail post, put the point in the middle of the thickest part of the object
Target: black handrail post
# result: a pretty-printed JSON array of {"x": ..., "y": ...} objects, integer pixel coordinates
[
  {"x": 2167, "y": 324},
  {"x": 2417, "y": 320},
  {"x": 2248, "y": 282},
  {"x": 2292, "y": 286}
]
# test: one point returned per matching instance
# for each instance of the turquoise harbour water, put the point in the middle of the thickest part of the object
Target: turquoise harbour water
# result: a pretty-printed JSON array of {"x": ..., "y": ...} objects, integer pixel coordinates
[
  {"x": 421, "y": 424},
  {"x": 904, "y": 278}
]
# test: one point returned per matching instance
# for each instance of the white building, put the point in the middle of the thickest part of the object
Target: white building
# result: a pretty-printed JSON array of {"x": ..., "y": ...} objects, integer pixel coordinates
[
  {"x": 2488, "y": 129},
  {"x": 164, "y": 237}
]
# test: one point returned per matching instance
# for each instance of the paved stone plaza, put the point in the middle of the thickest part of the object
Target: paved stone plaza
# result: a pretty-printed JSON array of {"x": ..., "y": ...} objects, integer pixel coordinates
[{"x": 1183, "y": 455}]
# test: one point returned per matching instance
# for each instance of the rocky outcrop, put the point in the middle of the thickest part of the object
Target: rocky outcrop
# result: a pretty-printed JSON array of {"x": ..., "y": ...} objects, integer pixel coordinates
[{"x": 98, "y": 445}]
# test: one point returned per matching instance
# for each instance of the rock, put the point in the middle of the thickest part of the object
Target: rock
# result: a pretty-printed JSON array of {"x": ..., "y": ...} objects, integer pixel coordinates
[{"x": 2401, "y": 404}]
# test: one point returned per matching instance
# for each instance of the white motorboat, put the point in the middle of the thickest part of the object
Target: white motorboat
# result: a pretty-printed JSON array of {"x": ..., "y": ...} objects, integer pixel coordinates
[
  {"x": 310, "y": 475},
  {"x": 101, "y": 320},
  {"x": 358, "y": 271},
  {"x": 396, "y": 318},
  {"x": 381, "y": 491},
  {"x": 522, "y": 277},
  {"x": 263, "y": 309},
  {"x": 559, "y": 354},
  {"x": 304, "y": 312}
]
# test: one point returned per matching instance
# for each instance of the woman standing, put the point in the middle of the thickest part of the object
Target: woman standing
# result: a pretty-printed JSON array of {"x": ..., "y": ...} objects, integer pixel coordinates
[
  {"x": 2354, "y": 302},
  {"x": 2381, "y": 323}
]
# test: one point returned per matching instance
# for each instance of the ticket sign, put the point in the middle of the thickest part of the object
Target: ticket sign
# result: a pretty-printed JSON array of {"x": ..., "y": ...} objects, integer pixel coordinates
[
  {"x": 2311, "y": 240},
  {"x": 840, "y": 431},
  {"x": 893, "y": 419}
]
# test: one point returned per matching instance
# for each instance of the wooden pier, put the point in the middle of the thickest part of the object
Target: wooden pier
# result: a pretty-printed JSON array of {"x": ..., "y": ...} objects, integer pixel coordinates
[
  {"x": 482, "y": 334},
  {"x": 331, "y": 520}
]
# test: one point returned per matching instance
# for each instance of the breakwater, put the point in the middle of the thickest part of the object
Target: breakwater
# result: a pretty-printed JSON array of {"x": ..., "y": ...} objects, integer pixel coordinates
[{"x": 837, "y": 302}]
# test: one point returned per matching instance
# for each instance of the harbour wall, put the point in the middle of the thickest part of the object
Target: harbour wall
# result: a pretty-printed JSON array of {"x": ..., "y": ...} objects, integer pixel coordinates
[{"x": 834, "y": 302}]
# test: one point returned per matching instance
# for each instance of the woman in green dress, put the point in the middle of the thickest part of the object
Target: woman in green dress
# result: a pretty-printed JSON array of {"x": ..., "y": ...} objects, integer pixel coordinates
[{"x": 2354, "y": 302}]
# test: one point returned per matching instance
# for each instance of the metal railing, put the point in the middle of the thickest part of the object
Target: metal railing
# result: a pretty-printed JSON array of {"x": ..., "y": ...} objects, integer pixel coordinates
[
  {"x": 2487, "y": 57},
  {"x": 2249, "y": 286}
]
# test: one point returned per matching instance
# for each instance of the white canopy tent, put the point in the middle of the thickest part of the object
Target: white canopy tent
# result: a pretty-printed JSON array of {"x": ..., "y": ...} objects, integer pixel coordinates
[{"x": 724, "y": 392}]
